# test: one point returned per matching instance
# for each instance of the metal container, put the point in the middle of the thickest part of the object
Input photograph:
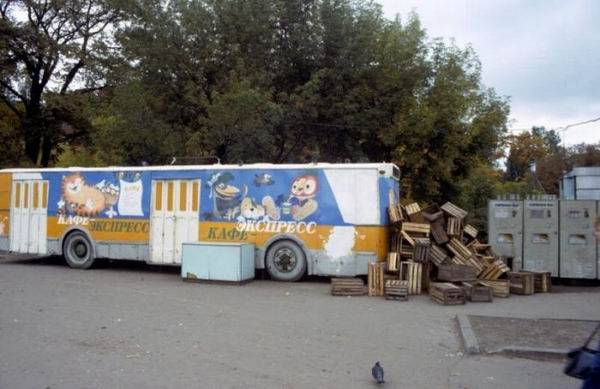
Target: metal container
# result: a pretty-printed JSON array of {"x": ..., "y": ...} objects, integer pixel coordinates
[
  {"x": 541, "y": 239},
  {"x": 232, "y": 262},
  {"x": 578, "y": 247},
  {"x": 581, "y": 183},
  {"x": 505, "y": 230}
]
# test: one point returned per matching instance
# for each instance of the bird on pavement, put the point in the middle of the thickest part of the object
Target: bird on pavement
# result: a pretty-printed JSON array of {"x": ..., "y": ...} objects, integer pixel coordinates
[{"x": 377, "y": 372}]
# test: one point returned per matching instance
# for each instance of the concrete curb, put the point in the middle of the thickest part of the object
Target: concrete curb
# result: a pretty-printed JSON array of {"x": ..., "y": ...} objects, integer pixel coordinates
[
  {"x": 538, "y": 352},
  {"x": 470, "y": 342}
]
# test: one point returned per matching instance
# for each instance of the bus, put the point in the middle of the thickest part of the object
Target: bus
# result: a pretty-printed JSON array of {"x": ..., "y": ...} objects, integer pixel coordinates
[{"x": 316, "y": 219}]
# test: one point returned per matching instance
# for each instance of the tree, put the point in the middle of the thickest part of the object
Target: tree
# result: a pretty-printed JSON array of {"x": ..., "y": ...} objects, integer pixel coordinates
[
  {"x": 46, "y": 46},
  {"x": 524, "y": 149}
]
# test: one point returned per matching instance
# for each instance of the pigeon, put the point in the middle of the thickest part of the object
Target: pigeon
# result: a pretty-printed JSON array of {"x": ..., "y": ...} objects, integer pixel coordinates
[{"x": 377, "y": 372}]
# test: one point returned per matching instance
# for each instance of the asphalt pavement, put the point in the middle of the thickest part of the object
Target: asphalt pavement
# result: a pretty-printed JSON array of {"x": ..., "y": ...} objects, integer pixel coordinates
[{"x": 129, "y": 325}]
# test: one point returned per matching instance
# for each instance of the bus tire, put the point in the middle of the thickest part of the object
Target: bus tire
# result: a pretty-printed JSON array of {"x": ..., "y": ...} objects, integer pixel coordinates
[
  {"x": 78, "y": 251},
  {"x": 285, "y": 261}
]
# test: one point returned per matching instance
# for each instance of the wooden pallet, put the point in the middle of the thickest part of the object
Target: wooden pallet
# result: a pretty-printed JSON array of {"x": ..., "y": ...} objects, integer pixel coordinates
[
  {"x": 476, "y": 292},
  {"x": 494, "y": 270},
  {"x": 375, "y": 278},
  {"x": 396, "y": 290},
  {"x": 412, "y": 272},
  {"x": 454, "y": 211},
  {"x": 421, "y": 250},
  {"x": 347, "y": 287},
  {"x": 438, "y": 255},
  {"x": 521, "y": 283},
  {"x": 393, "y": 260},
  {"x": 500, "y": 288},
  {"x": 456, "y": 273},
  {"x": 446, "y": 293}
]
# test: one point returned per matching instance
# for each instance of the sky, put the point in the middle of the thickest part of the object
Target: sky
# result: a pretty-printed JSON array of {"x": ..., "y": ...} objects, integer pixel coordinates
[{"x": 543, "y": 54}]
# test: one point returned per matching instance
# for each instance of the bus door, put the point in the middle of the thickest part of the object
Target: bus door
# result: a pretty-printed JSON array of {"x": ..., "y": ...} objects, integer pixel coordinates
[
  {"x": 29, "y": 216},
  {"x": 174, "y": 218}
]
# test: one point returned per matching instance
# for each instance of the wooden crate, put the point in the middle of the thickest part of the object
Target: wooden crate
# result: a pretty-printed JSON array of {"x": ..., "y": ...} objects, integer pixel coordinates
[
  {"x": 471, "y": 231},
  {"x": 414, "y": 213},
  {"x": 454, "y": 227},
  {"x": 395, "y": 214},
  {"x": 494, "y": 270},
  {"x": 347, "y": 287},
  {"x": 476, "y": 292},
  {"x": 375, "y": 278},
  {"x": 456, "y": 273},
  {"x": 446, "y": 293},
  {"x": 542, "y": 281},
  {"x": 421, "y": 250},
  {"x": 521, "y": 283},
  {"x": 438, "y": 232},
  {"x": 454, "y": 211},
  {"x": 393, "y": 260},
  {"x": 412, "y": 272},
  {"x": 438, "y": 255},
  {"x": 500, "y": 288},
  {"x": 463, "y": 256},
  {"x": 433, "y": 213},
  {"x": 416, "y": 229},
  {"x": 396, "y": 290}
]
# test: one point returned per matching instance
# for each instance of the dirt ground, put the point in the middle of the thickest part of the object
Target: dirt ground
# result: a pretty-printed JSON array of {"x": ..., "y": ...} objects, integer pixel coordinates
[
  {"x": 131, "y": 325},
  {"x": 494, "y": 333}
]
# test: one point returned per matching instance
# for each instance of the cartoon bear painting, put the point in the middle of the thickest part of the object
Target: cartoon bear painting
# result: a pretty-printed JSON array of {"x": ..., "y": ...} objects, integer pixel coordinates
[
  {"x": 250, "y": 210},
  {"x": 301, "y": 203}
]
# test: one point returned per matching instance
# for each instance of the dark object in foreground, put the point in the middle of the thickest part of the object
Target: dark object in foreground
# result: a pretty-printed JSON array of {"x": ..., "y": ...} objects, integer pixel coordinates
[
  {"x": 581, "y": 361},
  {"x": 377, "y": 372}
]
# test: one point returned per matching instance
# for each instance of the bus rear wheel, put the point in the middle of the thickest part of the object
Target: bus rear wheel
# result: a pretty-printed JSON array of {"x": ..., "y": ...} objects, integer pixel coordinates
[
  {"x": 285, "y": 261},
  {"x": 78, "y": 251}
]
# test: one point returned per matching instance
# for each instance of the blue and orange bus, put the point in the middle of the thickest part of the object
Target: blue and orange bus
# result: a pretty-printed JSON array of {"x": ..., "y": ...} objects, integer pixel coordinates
[{"x": 322, "y": 219}]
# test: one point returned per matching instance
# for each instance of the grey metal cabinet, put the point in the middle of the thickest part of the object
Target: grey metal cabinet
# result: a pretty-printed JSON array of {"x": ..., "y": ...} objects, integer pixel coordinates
[
  {"x": 505, "y": 230},
  {"x": 578, "y": 246},
  {"x": 541, "y": 239}
]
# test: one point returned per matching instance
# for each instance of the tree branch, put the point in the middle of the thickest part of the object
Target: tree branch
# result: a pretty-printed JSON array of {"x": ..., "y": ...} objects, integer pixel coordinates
[
  {"x": 10, "y": 105},
  {"x": 13, "y": 91}
]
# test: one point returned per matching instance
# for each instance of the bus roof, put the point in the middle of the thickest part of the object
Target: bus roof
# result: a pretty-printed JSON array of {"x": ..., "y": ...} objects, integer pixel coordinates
[{"x": 210, "y": 167}]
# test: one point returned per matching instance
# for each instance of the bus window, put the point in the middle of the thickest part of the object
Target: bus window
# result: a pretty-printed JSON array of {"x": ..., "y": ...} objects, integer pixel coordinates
[
  {"x": 45, "y": 195},
  {"x": 25, "y": 195}
]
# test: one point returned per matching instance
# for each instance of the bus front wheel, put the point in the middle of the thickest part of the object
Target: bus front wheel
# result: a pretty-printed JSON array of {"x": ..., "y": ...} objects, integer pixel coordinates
[
  {"x": 78, "y": 251},
  {"x": 285, "y": 261}
]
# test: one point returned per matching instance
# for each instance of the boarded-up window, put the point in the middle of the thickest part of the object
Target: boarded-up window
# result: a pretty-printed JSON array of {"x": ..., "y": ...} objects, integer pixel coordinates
[
  {"x": 158, "y": 196},
  {"x": 18, "y": 195},
  {"x": 182, "y": 196},
  {"x": 45, "y": 195},
  {"x": 25, "y": 195},
  {"x": 170, "y": 196},
  {"x": 195, "y": 197},
  {"x": 36, "y": 195}
]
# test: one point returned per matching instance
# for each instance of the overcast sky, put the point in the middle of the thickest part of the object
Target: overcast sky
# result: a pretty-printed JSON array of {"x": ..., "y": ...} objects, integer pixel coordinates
[{"x": 543, "y": 54}]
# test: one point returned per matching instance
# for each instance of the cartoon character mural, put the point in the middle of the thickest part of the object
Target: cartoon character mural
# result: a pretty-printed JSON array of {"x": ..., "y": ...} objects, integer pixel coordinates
[
  {"x": 231, "y": 202},
  {"x": 85, "y": 200},
  {"x": 301, "y": 203},
  {"x": 226, "y": 197}
]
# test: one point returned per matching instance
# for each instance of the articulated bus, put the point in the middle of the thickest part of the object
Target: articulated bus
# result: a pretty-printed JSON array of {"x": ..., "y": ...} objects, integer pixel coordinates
[{"x": 321, "y": 219}]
